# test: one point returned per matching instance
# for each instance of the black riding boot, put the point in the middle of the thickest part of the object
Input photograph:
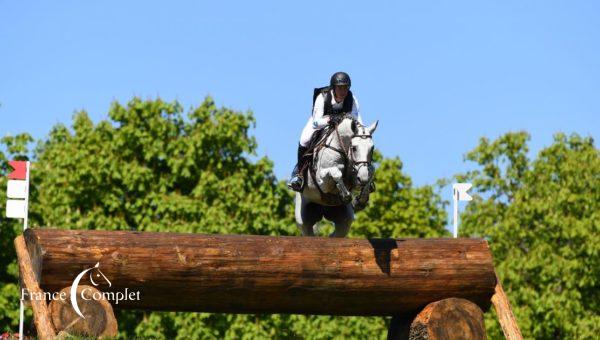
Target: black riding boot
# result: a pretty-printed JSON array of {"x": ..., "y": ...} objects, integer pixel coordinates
[{"x": 296, "y": 179}]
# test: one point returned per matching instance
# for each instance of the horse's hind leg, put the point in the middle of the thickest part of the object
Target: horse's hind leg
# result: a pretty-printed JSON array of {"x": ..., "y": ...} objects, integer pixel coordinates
[
  {"x": 308, "y": 230},
  {"x": 342, "y": 218},
  {"x": 306, "y": 216}
]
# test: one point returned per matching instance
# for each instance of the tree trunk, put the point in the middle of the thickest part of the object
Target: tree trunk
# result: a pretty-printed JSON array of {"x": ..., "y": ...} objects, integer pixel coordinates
[{"x": 265, "y": 274}]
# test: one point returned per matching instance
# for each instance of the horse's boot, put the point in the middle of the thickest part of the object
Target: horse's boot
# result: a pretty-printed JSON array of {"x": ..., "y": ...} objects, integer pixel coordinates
[{"x": 297, "y": 180}]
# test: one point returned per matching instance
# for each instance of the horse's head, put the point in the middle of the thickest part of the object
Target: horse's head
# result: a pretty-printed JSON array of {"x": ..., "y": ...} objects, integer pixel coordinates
[{"x": 361, "y": 152}]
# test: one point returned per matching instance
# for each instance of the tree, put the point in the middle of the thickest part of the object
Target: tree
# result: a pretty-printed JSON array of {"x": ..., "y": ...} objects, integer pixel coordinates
[
  {"x": 150, "y": 169},
  {"x": 542, "y": 220}
]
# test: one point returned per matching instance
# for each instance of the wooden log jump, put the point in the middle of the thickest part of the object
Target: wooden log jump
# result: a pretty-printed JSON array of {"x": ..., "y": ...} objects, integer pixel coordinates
[{"x": 266, "y": 274}]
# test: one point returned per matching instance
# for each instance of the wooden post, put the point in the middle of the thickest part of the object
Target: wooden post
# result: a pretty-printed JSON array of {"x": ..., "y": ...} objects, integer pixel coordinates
[
  {"x": 267, "y": 274},
  {"x": 505, "y": 315},
  {"x": 41, "y": 316}
]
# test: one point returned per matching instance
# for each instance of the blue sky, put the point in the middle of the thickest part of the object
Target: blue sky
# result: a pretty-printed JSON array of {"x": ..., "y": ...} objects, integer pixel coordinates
[{"x": 437, "y": 75}]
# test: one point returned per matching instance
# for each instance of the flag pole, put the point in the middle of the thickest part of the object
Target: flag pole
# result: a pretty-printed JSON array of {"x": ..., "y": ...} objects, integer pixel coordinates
[
  {"x": 26, "y": 219},
  {"x": 459, "y": 193},
  {"x": 455, "y": 199},
  {"x": 25, "y": 226}
]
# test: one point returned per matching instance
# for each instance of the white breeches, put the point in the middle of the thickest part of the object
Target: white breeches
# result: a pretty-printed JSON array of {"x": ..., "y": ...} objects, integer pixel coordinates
[{"x": 307, "y": 132}]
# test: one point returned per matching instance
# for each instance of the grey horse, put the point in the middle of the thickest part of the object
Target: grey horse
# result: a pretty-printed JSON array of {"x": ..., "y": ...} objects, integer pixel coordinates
[{"x": 342, "y": 165}]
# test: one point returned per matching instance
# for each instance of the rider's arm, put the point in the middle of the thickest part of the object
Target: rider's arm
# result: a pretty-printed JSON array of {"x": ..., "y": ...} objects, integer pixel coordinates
[
  {"x": 355, "y": 111},
  {"x": 319, "y": 120}
]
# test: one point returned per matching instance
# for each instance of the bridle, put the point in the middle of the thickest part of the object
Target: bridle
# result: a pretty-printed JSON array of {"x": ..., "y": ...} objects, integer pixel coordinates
[
  {"x": 350, "y": 163},
  {"x": 355, "y": 165}
]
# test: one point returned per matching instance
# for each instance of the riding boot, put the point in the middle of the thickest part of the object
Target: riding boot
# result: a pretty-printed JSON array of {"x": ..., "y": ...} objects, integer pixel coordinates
[{"x": 297, "y": 180}]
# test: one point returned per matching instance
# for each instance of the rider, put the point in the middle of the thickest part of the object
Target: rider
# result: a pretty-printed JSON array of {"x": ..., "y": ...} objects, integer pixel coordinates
[{"x": 336, "y": 100}]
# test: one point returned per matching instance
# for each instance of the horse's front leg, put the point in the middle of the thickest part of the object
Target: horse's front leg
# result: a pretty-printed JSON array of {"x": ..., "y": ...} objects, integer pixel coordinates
[
  {"x": 337, "y": 177},
  {"x": 360, "y": 201}
]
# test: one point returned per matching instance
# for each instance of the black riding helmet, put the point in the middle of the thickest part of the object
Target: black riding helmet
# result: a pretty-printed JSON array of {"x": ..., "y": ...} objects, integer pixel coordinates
[{"x": 340, "y": 78}]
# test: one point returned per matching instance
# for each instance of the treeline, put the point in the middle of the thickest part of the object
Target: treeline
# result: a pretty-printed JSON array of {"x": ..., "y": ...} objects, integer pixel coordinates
[{"x": 150, "y": 166}]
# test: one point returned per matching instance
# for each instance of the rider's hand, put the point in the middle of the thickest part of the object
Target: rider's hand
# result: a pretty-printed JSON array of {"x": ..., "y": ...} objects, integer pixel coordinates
[{"x": 334, "y": 119}]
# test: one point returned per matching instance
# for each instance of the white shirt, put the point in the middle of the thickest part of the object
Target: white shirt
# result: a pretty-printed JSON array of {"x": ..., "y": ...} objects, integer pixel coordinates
[{"x": 319, "y": 121}]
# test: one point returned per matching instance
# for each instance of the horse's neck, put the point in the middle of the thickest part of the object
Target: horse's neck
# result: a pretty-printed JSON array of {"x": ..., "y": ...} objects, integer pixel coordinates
[{"x": 343, "y": 135}]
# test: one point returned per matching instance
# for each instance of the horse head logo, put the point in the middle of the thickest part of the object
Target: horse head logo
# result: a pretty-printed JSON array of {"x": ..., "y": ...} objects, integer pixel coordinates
[{"x": 94, "y": 271}]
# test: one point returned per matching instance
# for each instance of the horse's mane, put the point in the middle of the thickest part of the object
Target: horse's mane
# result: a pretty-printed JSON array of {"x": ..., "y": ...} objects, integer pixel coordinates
[{"x": 344, "y": 117}]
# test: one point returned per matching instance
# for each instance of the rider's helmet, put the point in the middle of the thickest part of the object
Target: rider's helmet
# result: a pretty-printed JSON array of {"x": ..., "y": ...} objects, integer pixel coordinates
[{"x": 340, "y": 78}]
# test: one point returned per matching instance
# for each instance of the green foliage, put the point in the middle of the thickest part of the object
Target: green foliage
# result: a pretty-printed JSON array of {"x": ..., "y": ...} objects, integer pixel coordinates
[
  {"x": 150, "y": 167},
  {"x": 397, "y": 209},
  {"x": 542, "y": 220},
  {"x": 173, "y": 325}
]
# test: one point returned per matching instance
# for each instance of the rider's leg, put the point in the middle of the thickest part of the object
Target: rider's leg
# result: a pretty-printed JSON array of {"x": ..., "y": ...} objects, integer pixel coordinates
[{"x": 296, "y": 179}]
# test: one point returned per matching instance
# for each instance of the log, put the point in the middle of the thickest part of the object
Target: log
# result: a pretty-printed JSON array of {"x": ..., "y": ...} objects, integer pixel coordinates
[
  {"x": 267, "y": 274},
  {"x": 98, "y": 321},
  {"x": 41, "y": 316},
  {"x": 449, "y": 319},
  {"x": 446, "y": 319},
  {"x": 507, "y": 320}
]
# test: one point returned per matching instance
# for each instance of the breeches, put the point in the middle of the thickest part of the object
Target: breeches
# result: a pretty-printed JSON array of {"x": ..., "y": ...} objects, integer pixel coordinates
[{"x": 307, "y": 133}]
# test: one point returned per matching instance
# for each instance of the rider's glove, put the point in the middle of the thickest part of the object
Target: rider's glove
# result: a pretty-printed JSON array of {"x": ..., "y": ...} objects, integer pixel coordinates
[{"x": 335, "y": 119}]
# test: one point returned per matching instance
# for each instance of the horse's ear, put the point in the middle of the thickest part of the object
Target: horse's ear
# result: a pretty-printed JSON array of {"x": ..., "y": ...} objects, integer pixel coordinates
[{"x": 372, "y": 127}]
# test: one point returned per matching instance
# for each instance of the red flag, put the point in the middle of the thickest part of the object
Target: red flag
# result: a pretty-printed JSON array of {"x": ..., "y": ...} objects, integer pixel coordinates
[{"x": 20, "y": 171}]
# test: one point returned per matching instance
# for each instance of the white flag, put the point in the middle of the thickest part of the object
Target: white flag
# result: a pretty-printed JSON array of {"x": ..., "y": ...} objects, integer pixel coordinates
[
  {"x": 16, "y": 189},
  {"x": 460, "y": 191},
  {"x": 16, "y": 209}
]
